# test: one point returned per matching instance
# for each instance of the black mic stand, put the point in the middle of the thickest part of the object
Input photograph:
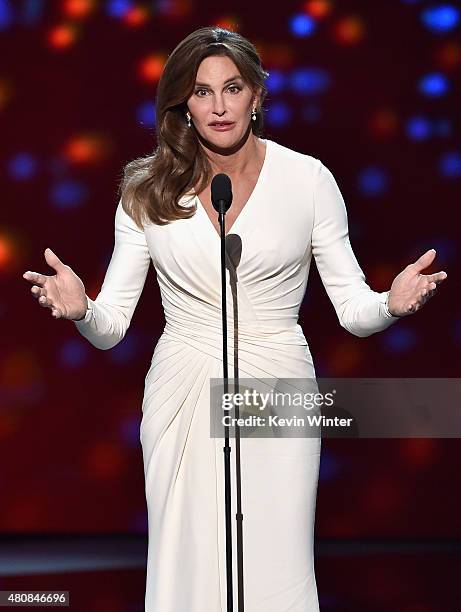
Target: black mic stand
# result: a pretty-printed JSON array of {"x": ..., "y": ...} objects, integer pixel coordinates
[{"x": 227, "y": 449}]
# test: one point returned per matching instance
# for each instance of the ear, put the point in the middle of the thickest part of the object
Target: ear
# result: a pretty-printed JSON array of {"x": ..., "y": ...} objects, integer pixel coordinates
[{"x": 257, "y": 98}]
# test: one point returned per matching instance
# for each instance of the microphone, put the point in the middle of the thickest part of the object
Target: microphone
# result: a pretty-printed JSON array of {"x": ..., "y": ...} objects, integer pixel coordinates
[
  {"x": 221, "y": 193},
  {"x": 221, "y": 198}
]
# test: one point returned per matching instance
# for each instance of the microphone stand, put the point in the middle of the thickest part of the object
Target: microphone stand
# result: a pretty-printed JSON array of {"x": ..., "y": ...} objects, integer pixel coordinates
[{"x": 227, "y": 449}]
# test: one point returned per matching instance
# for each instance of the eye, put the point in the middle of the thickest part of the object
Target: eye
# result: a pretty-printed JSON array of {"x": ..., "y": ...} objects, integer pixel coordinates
[
  {"x": 235, "y": 87},
  {"x": 198, "y": 90}
]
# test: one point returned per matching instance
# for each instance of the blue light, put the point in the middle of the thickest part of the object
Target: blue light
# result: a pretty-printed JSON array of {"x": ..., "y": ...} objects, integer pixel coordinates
[
  {"x": 372, "y": 181},
  {"x": 164, "y": 6},
  {"x": 329, "y": 466},
  {"x": 441, "y": 18},
  {"x": 126, "y": 350},
  {"x": 399, "y": 339},
  {"x": 302, "y": 25},
  {"x": 32, "y": 11},
  {"x": 278, "y": 114},
  {"x": 129, "y": 430},
  {"x": 146, "y": 114},
  {"x": 140, "y": 523},
  {"x": 22, "y": 166},
  {"x": 105, "y": 259},
  {"x": 450, "y": 164},
  {"x": 311, "y": 113},
  {"x": 73, "y": 353},
  {"x": 447, "y": 250},
  {"x": 118, "y": 8},
  {"x": 276, "y": 81},
  {"x": 434, "y": 85},
  {"x": 309, "y": 80},
  {"x": 442, "y": 127},
  {"x": 322, "y": 368},
  {"x": 68, "y": 194},
  {"x": 457, "y": 331},
  {"x": 6, "y": 14},
  {"x": 329, "y": 601},
  {"x": 418, "y": 128}
]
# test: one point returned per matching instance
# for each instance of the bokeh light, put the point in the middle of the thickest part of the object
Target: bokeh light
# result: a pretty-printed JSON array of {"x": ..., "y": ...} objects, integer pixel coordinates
[
  {"x": 434, "y": 85},
  {"x": 441, "y": 18},
  {"x": 22, "y": 166},
  {"x": 373, "y": 181}
]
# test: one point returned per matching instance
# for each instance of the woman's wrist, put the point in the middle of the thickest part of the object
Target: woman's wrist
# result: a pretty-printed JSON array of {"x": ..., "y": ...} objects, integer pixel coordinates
[
  {"x": 86, "y": 310},
  {"x": 386, "y": 308}
]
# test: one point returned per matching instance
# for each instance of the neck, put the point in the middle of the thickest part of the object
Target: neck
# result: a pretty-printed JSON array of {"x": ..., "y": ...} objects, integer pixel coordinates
[{"x": 234, "y": 160}]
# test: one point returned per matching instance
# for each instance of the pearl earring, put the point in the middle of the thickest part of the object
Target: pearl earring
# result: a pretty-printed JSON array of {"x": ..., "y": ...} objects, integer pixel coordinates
[
  {"x": 188, "y": 119},
  {"x": 253, "y": 115}
]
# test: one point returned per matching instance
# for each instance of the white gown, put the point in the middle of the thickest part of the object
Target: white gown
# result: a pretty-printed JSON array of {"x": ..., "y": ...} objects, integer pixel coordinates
[{"x": 295, "y": 211}]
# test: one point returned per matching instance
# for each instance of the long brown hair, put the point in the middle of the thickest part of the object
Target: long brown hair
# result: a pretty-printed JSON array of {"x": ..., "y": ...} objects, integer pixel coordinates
[{"x": 152, "y": 185}]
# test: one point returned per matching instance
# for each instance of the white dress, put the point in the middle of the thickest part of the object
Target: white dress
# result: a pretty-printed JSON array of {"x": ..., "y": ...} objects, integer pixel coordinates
[{"x": 295, "y": 211}]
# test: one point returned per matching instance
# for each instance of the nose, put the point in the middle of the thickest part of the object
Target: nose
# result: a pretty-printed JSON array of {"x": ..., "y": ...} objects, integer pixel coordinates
[{"x": 218, "y": 105}]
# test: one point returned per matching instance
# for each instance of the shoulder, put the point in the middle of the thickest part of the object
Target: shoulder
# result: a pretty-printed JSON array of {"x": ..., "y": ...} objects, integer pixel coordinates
[
  {"x": 302, "y": 170},
  {"x": 295, "y": 159}
]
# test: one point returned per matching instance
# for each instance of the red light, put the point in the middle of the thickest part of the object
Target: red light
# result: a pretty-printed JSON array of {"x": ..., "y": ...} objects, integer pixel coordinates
[
  {"x": 136, "y": 16},
  {"x": 62, "y": 36},
  {"x": 317, "y": 8},
  {"x": 151, "y": 68},
  {"x": 78, "y": 9},
  {"x": 350, "y": 30}
]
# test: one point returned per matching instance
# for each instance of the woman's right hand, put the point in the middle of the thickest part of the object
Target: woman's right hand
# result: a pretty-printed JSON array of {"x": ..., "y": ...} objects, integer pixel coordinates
[{"x": 64, "y": 293}]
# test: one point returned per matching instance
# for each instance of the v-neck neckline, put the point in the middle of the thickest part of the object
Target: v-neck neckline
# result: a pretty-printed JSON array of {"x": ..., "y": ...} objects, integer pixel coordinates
[{"x": 251, "y": 197}]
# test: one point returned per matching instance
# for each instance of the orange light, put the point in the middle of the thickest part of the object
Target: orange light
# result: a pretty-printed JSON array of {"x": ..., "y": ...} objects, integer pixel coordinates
[
  {"x": 177, "y": 8},
  {"x": 62, "y": 36},
  {"x": 350, "y": 30},
  {"x": 151, "y": 68},
  {"x": 136, "y": 16},
  {"x": 19, "y": 369},
  {"x": 78, "y": 9},
  {"x": 6, "y": 252},
  {"x": 448, "y": 56},
  {"x": 87, "y": 149},
  {"x": 5, "y": 93},
  {"x": 279, "y": 56},
  {"x": 229, "y": 23},
  {"x": 104, "y": 460},
  {"x": 419, "y": 452},
  {"x": 317, "y": 8},
  {"x": 381, "y": 275},
  {"x": 383, "y": 123},
  {"x": 345, "y": 357}
]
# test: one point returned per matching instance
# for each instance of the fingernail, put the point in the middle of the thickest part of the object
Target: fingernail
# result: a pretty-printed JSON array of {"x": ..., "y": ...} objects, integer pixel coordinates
[{"x": 434, "y": 250}]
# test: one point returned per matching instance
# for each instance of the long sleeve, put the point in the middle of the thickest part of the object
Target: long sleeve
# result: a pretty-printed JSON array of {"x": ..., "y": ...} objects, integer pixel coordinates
[
  {"x": 359, "y": 309},
  {"x": 108, "y": 316}
]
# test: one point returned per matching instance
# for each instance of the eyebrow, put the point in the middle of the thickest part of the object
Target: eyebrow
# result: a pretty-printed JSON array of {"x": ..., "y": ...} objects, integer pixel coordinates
[{"x": 233, "y": 78}]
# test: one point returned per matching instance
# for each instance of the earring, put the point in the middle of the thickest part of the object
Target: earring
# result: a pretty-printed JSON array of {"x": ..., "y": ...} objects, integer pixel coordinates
[
  {"x": 188, "y": 119},
  {"x": 253, "y": 115}
]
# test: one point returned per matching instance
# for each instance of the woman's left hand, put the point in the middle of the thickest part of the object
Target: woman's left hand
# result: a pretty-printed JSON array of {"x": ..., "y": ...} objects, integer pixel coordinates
[{"x": 410, "y": 289}]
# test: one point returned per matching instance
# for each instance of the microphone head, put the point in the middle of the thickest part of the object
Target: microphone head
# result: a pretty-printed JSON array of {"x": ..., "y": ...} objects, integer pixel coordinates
[{"x": 221, "y": 191}]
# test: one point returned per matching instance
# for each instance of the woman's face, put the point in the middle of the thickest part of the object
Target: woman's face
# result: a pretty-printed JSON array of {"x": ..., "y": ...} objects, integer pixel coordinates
[{"x": 220, "y": 94}]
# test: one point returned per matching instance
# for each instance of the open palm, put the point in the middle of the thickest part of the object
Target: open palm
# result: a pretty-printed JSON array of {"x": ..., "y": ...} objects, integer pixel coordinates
[
  {"x": 64, "y": 293},
  {"x": 410, "y": 289}
]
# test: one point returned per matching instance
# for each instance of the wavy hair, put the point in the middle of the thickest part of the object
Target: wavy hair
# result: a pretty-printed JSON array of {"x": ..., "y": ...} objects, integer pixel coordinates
[{"x": 152, "y": 185}]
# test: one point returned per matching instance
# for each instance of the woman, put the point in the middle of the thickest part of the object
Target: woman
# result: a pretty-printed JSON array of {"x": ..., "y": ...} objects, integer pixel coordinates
[{"x": 286, "y": 207}]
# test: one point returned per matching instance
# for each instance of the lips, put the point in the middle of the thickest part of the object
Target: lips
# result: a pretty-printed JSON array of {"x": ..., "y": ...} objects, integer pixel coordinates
[{"x": 221, "y": 123}]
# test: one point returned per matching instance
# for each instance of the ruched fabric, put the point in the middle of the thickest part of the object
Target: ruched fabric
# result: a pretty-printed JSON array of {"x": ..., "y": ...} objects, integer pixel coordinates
[{"x": 294, "y": 213}]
